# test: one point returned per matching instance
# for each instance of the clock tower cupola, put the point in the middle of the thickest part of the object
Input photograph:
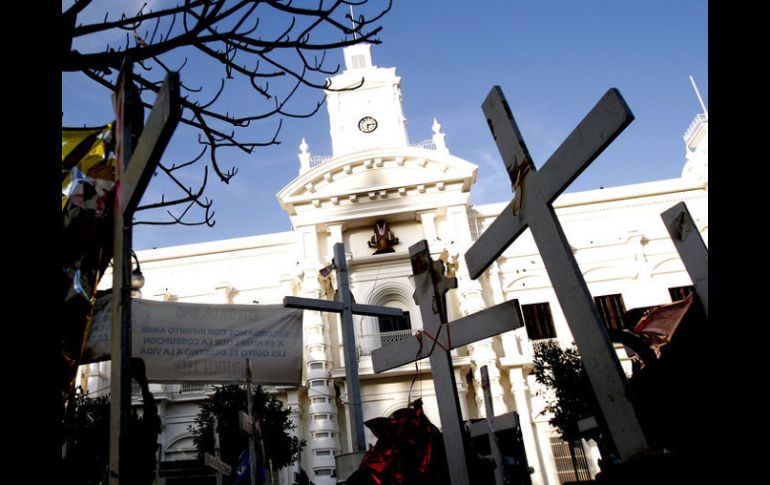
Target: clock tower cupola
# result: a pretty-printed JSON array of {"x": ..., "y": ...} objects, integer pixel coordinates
[{"x": 370, "y": 116}]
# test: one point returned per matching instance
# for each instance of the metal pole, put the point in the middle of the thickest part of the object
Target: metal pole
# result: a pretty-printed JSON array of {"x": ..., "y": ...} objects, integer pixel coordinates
[
  {"x": 250, "y": 410},
  {"x": 705, "y": 111}
]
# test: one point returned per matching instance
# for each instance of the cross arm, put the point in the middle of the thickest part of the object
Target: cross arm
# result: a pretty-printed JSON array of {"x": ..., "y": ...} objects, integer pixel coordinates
[
  {"x": 608, "y": 118},
  {"x": 505, "y": 131},
  {"x": 155, "y": 136},
  {"x": 486, "y": 323},
  {"x": 691, "y": 248},
  {"x": 338, "y": 307},
  {"x": 312, "y": 304},
  {"x": 376, "y": 311},
  {"x": 498, "y": 423}
]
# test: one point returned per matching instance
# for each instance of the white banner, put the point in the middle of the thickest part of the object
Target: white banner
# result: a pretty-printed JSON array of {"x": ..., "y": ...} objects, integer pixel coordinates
[{"x": 192, "y": 342}]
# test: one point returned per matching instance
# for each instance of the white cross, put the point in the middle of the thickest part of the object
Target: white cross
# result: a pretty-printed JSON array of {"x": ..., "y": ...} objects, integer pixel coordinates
[
  {"x": 346, "y": 307},
  {"x": 691, "y": 249},
  {"x": 535, "y": 191},
  {"x": 436, "y": 340},
  {"x": 131, "y": 182}
]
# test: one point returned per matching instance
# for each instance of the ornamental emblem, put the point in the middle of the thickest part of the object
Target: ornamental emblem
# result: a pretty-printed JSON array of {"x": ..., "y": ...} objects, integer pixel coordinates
[{"x": 383, "y": 238}]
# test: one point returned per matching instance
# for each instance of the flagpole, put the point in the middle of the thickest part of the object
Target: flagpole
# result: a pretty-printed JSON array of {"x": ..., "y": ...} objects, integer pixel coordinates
[{"x": 705, "y": 111}]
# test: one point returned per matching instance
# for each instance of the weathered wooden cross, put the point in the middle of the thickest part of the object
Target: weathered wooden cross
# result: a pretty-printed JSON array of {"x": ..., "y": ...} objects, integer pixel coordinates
[
  {"x": 134, "y": 168},
  {"x": 691, "y": 249},
  {"x": 535, "y": 191},
  {"x": 492, "y": 425},
  {"x": 214, "y": 461},
  {"x": 346, "y": 307},
  {"x": 436, "y": 340}
]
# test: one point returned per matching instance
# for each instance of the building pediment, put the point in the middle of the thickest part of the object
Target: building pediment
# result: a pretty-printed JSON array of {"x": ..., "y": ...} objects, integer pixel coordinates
[{"x": 377, "y": 182}]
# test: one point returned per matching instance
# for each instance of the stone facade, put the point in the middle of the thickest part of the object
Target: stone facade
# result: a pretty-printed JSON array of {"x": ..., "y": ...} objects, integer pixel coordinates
[{"x": 423, "y": 192}]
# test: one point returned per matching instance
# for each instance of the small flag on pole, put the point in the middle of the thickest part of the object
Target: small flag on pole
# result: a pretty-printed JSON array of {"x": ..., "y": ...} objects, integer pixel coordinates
[{"x": 326, "y": 271}]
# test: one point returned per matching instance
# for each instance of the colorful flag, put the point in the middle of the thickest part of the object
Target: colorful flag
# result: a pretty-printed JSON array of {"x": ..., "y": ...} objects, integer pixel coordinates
[
  {"x": 243, "y": 470},
  {"x": 657, "y": 327},
  {"x": 326, "y": 271}
]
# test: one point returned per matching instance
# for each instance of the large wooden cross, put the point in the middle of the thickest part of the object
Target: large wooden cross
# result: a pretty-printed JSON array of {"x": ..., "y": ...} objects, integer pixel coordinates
[
  {"x": 531, "y": 206},
  {"x": 346, "y": 307},
  {"x": 691, "y": 249},
  {"x": 436, "y": 340},
  {"x": 214, "y": 460},
  {"x": 136, "y": 161}
]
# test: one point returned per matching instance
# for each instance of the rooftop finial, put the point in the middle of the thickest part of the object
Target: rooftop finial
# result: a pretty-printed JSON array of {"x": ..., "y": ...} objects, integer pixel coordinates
[
  {"x": 304, "y": 157},
  {"x": 438, "y": 137}
]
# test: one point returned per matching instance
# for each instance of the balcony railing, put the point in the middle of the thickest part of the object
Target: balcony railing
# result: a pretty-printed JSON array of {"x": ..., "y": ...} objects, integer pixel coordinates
[
  {"x": 316, "y": 160},
  {"x": 369, "y": 342},
  {"x": 427, "y": 144},
  {"x": 699, "y": 120},
  {"x": 191, "y": 387}
]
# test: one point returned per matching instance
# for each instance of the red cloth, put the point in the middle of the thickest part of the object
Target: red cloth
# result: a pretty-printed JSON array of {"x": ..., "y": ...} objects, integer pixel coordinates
[
  {"x": 409, "y": 450},
  {"x": 658, "y": 325}
]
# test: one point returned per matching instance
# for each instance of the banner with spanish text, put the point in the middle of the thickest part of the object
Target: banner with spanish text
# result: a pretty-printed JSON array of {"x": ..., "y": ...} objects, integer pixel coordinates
[{"x": 193, "y": 342}]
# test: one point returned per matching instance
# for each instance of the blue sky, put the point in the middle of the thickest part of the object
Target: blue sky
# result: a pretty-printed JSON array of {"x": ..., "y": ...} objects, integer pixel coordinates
[{"x": 553, "y": 60}]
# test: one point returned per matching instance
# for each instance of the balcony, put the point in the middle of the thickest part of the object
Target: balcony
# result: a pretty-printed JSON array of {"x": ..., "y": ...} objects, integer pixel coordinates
[
  {"x": 369, "y": 342},
  {"x": 316, "y": 160},
  {"x": 695, "y": 132}
]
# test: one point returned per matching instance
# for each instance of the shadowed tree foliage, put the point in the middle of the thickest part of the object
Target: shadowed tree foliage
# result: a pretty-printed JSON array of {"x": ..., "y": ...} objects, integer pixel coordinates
[
  {"x": 87, "y": 434},
  {"x": 226, "y": 402},
  {"x": 264, "y": 51},
  {"x": 562, "y": 371}
]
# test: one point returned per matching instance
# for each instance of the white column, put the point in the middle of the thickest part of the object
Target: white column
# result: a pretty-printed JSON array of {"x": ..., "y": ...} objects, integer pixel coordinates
[
  {"x": 295, "y": 416},
  {"x": 543, "y": 432},
  {"x": 335, "y": 236},
  {"x": 471, "y": 301},
  {"x": 428, "y": 221},
  {"x": 646, "y": 292},
  {"x": 534, "y": 457},
  {"x": 323, "y": 441},
  {"x": 97, "y": 379},
  {"x": 462, "y": 393}
]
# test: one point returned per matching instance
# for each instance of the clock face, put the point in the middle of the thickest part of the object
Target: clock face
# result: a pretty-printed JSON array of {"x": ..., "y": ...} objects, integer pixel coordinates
[{"x": 367, "y": 124}]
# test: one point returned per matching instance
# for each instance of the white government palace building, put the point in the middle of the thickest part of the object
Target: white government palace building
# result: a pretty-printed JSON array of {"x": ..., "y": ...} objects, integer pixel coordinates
[{"x": 422, "y": 191}]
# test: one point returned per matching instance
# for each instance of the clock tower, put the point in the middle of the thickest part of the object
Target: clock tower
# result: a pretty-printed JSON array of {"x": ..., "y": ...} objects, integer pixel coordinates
[{"x": 370, "y": 116}]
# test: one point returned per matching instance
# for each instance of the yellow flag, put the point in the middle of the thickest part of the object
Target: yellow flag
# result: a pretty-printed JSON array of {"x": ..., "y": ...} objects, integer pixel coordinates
[{"x": 85, "y": 158}]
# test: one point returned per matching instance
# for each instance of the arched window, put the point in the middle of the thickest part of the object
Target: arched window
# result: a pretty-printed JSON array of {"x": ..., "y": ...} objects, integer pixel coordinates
[{"x": 394, "y": 324}]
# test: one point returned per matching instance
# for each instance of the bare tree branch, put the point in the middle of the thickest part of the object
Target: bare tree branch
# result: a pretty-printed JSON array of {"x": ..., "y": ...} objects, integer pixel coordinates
[{"x": 252, "y": 41}]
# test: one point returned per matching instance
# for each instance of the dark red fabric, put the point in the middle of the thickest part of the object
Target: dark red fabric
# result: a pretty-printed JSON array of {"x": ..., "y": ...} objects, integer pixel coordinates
[{"x": 409, "y": 450}]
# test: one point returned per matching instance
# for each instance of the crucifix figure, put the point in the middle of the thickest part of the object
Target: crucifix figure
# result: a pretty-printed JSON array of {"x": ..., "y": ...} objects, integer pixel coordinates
[
  {"x": 691, "y": 249},
  {"x": 535, "y": 190},
  {"x": 135, "y": 164},
  {"x": 383, "y": 239},
  {"x": 494, "y": 424},
  {"x": 436, "y": 340},
  {"x": 346, "y": 307}
]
